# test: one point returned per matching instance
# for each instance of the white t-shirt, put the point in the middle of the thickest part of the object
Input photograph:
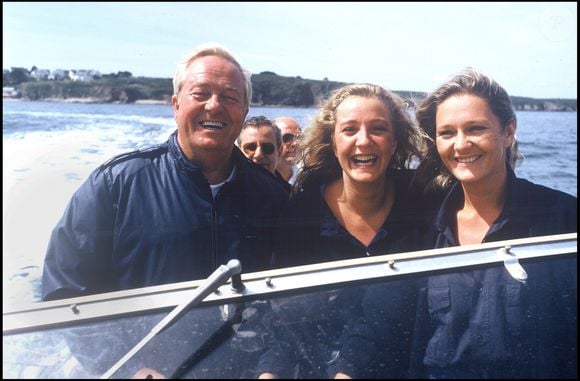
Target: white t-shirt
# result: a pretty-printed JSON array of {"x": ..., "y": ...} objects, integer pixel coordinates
[
  {"x": 292, "y": 178},
  {"x": 216, "y": 187}
]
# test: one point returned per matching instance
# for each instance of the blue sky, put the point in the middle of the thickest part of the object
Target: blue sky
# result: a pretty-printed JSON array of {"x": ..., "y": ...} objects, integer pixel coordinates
[{"x": 530, "y": 48}]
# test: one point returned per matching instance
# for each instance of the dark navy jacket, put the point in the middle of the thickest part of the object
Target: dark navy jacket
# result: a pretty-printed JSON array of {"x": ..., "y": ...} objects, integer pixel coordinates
[
  {"x": 482, "y": 323},
  {"x": 148, "y": 218},
  {"x": 307, "y": 233},
  {"x": 479, "y": 323}
]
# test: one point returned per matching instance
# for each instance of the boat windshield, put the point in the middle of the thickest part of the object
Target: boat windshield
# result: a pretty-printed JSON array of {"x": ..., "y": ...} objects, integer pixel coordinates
[{"x": 359, "y": 316}]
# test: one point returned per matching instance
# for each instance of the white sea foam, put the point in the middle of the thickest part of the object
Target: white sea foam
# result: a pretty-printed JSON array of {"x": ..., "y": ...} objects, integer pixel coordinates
[{"x": 41, "y": 171}]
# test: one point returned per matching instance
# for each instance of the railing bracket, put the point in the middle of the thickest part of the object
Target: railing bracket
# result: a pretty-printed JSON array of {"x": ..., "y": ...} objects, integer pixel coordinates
[{"x": 512, "y": 264}]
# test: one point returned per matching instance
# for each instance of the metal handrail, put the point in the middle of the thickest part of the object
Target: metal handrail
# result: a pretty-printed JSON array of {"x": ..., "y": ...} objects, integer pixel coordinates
[{"x": 54, "y": 314}]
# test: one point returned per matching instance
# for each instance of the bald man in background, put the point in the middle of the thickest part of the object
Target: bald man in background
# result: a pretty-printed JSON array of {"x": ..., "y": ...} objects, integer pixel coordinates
[{"x": 291, "y": 131}]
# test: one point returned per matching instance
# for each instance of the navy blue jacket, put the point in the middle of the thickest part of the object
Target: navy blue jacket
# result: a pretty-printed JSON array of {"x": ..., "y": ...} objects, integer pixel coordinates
[
  {"x": 148, "y": 218},
  {"x": 307, "y": 233},
  {"x": 479, "y": 323},
  {"x": 530, "y": 210},
  {"x": 484, "y": 324}
]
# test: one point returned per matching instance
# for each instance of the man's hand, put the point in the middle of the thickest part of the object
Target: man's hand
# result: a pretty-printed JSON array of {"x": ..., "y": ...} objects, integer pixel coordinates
[
  {"x": 267, "y": 376},
  {"x": 147, "y": 373}
]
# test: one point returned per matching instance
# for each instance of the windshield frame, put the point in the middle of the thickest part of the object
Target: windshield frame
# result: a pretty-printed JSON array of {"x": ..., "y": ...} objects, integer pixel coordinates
[{"x": 60, "y": 313}]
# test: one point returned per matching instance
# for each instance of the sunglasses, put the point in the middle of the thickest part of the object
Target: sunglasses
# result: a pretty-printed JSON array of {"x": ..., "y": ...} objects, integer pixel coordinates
[
  {"x": 287, "y": 138},
  {"x": 267, "y": 148}
]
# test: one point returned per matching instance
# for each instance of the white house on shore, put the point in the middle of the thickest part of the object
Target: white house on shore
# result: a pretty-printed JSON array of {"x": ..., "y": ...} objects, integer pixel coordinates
[
  {"x": 9, "y": 92},
  {"x": 83, "y": 75},
  {"x": 57, "y": 74},
  {"x": 40, "y": 74}
]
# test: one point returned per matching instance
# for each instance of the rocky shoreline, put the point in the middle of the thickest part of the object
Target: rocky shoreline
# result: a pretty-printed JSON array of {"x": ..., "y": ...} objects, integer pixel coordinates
[
  {"x": 545, "y": 106},
  {"x": 89, "y": 100}
]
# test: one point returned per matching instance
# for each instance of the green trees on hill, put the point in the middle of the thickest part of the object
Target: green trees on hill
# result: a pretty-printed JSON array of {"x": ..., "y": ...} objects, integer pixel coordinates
[
  {"x": 104, "y": 89},
  {"x": 272, "y": 89},
  {"x": 269, "y": 89}
]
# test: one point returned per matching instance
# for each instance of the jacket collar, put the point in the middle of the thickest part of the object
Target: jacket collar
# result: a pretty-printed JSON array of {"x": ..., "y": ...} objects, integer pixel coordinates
[
  {"x": 451, "y": 203},
  {"x": 184, "y": 164}
]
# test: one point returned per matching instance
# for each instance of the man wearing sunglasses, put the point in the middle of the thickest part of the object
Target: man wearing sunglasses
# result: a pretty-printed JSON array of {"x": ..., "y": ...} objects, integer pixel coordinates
[
  {"x": 291, "y": 132},
  {"x": 260, "y": 141}
]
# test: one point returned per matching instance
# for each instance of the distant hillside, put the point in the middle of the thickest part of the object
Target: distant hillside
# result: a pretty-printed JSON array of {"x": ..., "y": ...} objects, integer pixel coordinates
[
  {"x": 269, "y": 89},
  {"x": 272, "y": 89},
  {"x": 102, "y": 90},
  {"x": 532, "y": 104}
]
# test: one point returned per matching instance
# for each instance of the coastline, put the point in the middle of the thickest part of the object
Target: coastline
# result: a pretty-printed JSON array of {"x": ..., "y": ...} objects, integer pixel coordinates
[
  {"x": 88, "y": 100},
  {"x": 151, "y": 102},
  {"x": 75, "y": 100},
  {"x": 92, "y": 100},
  {"x": 137, "y": 102}
]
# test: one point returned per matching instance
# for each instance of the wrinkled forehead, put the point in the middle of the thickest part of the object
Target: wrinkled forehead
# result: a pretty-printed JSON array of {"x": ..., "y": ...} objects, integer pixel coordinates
[
  {"x": 215, "y": 71},
  {"x": 287, "y": 126},
  {"x": 289, "y": 129}
]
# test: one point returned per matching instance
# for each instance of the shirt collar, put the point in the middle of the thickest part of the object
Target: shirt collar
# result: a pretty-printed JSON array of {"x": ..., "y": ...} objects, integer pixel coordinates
[
  {"x": 330, "y": 227},
  {"x": 446, "y": 216},
  {"x": 183, "y": 163}
]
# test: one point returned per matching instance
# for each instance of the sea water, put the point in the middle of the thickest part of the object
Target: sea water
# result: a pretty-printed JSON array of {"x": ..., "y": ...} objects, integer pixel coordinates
[{"x": 49, "y": 149}]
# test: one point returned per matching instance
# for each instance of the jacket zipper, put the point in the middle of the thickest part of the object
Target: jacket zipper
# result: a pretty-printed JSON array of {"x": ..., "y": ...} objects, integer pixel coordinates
[{"x": 214, "y": 238}]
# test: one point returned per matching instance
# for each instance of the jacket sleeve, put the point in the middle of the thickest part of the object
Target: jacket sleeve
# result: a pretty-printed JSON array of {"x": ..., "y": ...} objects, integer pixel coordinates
[
  {"x": 78, "y": 256},
  {"x": 378, "y": 344},
  {"x": 278, "y": 357}
]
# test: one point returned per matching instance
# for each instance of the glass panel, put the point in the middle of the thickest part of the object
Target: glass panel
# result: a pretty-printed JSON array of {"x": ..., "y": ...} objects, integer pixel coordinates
[{"x": 378, "y": 329}]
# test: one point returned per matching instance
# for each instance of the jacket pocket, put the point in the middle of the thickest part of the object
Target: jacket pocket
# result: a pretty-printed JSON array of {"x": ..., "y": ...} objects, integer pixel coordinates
[
  {"x": 513, "y": 305},
  {"x": 438, "y": 298},
  {"x": 439, "y": 349}
]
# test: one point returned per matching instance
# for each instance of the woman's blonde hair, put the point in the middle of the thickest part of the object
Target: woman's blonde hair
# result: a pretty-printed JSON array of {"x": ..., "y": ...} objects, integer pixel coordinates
[{"x": 319, "y": 163}]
